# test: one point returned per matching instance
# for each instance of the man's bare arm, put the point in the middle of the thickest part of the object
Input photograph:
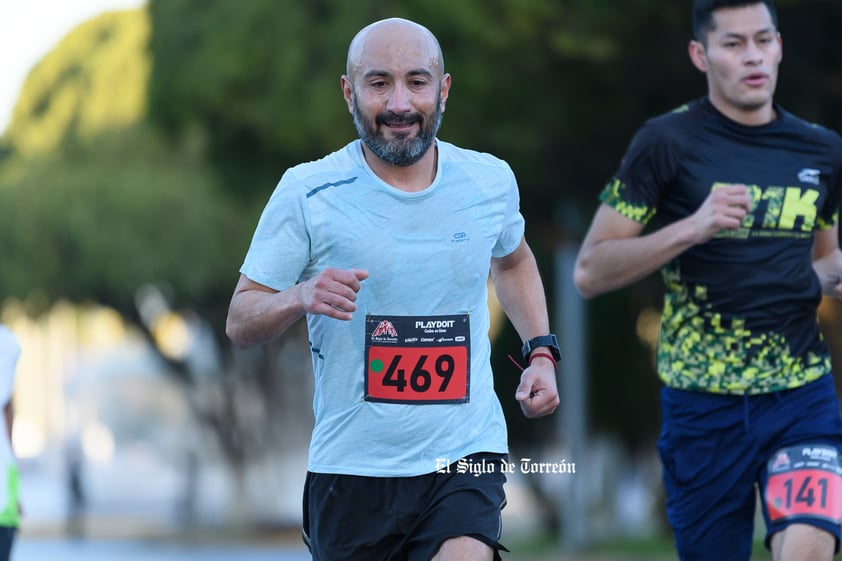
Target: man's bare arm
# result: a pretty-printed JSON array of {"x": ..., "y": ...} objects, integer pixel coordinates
[
  {"x": 258, "y": 314},
  {"x": 614, "y": 254}
]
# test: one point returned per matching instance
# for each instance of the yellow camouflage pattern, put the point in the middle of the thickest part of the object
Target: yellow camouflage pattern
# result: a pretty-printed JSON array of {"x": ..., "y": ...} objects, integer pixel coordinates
[{"x": 701, "y": 350}]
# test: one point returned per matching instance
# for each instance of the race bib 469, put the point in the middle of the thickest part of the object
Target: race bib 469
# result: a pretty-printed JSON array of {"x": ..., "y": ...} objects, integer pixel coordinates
[{"x": 417, "y": 359}]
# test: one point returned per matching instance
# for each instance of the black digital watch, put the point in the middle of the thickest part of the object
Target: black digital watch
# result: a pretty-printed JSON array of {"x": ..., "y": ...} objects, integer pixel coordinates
[{"x": 542, "y": 341}]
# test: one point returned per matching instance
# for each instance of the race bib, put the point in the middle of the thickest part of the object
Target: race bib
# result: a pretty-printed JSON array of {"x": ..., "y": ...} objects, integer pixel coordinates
[
  {"x": 417, "y": 359},
  {"x": 804, "y": 481}
]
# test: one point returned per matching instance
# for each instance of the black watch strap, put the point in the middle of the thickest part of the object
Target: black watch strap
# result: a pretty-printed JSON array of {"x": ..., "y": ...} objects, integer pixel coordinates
[{"x": 542, "y": 341}]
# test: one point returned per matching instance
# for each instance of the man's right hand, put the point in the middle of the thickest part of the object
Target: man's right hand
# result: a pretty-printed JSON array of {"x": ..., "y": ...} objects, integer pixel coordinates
[
  {"x": 333, "y": 292},
  {"x": 724, "y": 209}
]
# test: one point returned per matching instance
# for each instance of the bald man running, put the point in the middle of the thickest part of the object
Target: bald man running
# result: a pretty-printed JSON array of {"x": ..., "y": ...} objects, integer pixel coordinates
[{"x": 385, "y": 246}]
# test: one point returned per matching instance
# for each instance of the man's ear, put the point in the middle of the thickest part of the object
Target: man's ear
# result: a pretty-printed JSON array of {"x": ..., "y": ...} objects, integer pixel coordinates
[
  {"x": 347, "y": 92},
  {"x": 698, "y": 55},
  {"x": 445, "y": 90}
]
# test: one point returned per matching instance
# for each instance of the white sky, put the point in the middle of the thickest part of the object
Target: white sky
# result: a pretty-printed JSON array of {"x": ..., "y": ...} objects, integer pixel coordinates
[{"x": 29, "y": 29}]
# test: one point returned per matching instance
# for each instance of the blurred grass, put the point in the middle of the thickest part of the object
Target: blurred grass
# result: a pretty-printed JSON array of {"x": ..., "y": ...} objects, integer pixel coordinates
[{"x": 655, "y": 549}]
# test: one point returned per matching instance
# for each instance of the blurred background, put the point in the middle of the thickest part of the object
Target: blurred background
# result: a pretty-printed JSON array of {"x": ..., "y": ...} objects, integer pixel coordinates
[{"x": 140, "y": 143}]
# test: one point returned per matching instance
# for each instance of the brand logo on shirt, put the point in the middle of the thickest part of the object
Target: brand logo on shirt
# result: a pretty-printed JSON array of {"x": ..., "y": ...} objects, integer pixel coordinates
[
  {"x": 778, "y": 208},
  {"x": 459, "y": 237},
  {"x": 809, "y": 175}
]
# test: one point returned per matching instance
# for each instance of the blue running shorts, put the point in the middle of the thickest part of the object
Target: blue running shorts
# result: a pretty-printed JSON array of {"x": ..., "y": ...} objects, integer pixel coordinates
[{"x": 717, "y": 451}]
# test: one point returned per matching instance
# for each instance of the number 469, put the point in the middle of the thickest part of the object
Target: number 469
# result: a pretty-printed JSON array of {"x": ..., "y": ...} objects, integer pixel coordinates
[{"x": 420, "y": 379}]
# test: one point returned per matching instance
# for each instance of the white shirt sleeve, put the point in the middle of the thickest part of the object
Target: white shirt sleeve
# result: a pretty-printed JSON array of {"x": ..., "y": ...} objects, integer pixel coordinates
[{"x": 9, "y": 353}]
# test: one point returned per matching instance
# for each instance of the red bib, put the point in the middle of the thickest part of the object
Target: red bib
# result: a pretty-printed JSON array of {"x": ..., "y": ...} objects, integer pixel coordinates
[
  {"x": 417, "y": 359},
  {"x": 804, "y": 481}
]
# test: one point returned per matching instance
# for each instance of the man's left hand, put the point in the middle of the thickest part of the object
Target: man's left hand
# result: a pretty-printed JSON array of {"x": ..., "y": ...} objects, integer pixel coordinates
[{"x": 538, "y": 390}]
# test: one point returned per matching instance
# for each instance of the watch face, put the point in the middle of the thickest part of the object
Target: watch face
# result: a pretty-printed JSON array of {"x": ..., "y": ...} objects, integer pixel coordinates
[{"x": 542, "y": 341}]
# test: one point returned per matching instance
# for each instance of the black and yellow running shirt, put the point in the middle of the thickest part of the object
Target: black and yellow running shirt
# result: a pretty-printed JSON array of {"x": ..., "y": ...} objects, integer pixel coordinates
[{"x": 739, "y": 311}]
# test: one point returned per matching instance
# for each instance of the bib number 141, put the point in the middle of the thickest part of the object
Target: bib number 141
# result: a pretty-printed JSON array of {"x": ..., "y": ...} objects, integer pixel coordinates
[{"x": 804, "y": 481}]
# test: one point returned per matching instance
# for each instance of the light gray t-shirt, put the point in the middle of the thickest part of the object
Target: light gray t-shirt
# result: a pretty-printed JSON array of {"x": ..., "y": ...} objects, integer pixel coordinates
[{"x": 428, "y": 256}]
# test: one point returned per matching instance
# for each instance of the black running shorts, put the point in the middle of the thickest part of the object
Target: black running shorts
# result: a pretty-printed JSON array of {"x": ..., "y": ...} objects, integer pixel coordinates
[{"x": 351, "y": 518}]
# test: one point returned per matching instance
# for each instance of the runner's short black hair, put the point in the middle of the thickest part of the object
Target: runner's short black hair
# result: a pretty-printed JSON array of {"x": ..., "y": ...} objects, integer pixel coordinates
[{"x": 703, "y": 14}]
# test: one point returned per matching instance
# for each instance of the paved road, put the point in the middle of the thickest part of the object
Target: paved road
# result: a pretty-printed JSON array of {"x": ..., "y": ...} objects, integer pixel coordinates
[{"x": 37, "y": 549}]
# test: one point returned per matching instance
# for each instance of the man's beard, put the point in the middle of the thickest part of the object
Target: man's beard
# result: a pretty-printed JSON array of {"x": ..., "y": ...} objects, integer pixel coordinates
[{"x": 403, "y": 150}]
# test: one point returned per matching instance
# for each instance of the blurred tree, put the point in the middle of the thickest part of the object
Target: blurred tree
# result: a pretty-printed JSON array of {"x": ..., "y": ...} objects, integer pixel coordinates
[
  {"x": 96, "y": 205},
  {"x": 93, "y": 82},
  {"x": 533, "y": 79}
]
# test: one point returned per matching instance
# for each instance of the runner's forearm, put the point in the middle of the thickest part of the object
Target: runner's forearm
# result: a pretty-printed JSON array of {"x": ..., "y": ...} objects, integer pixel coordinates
[
  {"x": 610, "y": 264},
  {"x": 257, "y": 317}
]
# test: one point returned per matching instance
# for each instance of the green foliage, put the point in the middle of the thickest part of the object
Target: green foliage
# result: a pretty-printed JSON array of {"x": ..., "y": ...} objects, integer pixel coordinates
[
  {"x": 93, "y": 202},
  {"x": 93, "y": 82},
  {"x": 537, "y": 82},
  {"x": 261, "y": 77},
  {"x": 113, "y": 215}
]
